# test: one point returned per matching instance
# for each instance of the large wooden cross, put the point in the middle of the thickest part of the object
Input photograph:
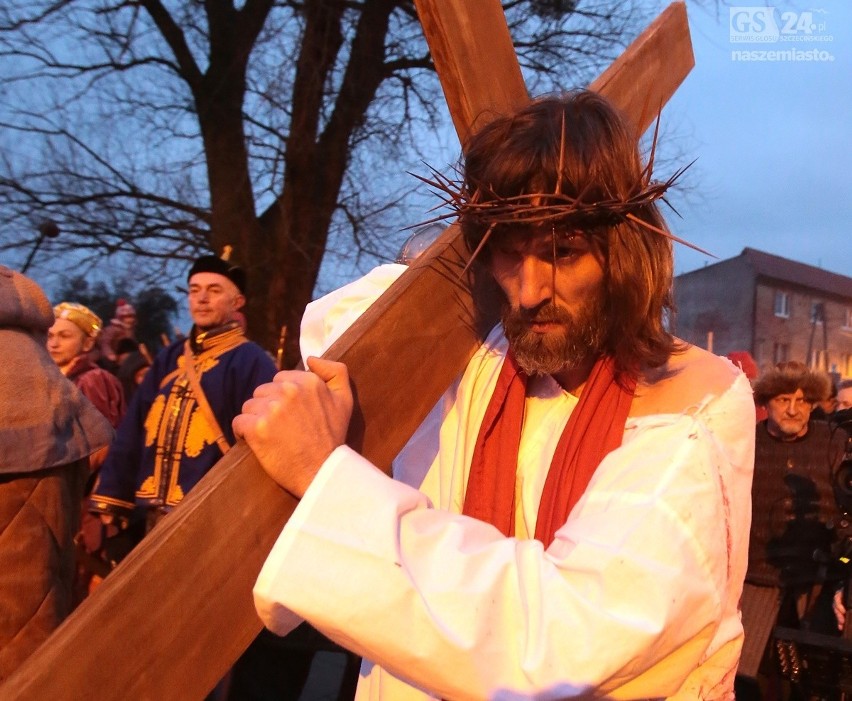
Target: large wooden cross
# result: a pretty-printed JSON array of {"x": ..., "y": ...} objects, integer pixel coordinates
[{"x": 173, "y": 617}]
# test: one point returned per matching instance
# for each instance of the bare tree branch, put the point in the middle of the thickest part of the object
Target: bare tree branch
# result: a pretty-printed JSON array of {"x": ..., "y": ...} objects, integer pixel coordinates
[{"x": 151, "y": 131}]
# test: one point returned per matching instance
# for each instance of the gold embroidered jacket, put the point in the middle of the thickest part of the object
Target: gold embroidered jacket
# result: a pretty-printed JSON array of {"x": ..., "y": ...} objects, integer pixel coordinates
[{"x": 165, "y": 445}]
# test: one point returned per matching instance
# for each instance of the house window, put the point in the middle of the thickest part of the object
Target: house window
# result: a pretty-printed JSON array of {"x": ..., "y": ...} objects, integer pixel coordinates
[
  {"x": 780, "y": 351},
  {"x": 782, "y": 304},
  {"x": 760, "y": 351},
  {"x": 817, "y": 315},
  {"x": 847, "y": 319}
]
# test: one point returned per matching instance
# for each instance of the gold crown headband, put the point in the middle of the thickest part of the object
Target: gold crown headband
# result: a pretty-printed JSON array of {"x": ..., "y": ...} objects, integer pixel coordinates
[{"x": 81, "y": 316}]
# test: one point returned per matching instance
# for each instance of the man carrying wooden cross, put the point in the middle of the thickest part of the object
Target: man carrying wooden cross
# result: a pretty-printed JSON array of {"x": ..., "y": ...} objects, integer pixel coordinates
[{"x": 572, "y": 517}]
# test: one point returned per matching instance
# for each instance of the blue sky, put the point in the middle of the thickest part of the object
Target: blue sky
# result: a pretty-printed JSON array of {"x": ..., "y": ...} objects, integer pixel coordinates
[{"x": 772, "y": 138}]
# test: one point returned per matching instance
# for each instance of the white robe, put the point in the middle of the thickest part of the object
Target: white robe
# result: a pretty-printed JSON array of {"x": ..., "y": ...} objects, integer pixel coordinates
[{"x": 636, "y": 597}]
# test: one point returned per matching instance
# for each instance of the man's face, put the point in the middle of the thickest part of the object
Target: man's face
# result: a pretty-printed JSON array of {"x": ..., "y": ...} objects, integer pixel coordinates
[
  {"x": 554, "y": 313},
  {"x": 213, "y": 299},
  {"x": 65, "y": 341},
  {"x": 788, "y": 415},
  {"x": 844, "y": 399},
  {"x": 128, "y": 320}
]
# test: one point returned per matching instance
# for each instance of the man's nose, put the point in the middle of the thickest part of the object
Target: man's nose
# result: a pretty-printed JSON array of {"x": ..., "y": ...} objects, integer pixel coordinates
[{"x": 535, "y": 283}]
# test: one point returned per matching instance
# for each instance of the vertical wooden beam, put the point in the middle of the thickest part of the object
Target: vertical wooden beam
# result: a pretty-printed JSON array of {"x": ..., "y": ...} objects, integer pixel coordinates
[{"x": 475, "y": 60}]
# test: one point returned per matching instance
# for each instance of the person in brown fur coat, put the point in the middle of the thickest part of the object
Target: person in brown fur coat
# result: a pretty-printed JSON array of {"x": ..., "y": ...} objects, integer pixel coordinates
[{"x": 47, "y": 431}]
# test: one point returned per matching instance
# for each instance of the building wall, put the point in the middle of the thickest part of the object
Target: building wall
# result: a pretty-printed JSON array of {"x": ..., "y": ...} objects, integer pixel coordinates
[
  {"x": 778, "y": 337},
  {"x": 718, "y": 298}
]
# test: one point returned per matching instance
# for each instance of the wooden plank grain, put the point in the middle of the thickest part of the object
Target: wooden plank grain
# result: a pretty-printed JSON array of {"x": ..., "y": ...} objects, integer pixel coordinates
[
  {"x": 473, "y": 54},
  {"x": 151, "y": 628},
  {"x": 398, "y": 339},
  {"x": 644, "y": 77},
  {"x": 178, "y": 611}
]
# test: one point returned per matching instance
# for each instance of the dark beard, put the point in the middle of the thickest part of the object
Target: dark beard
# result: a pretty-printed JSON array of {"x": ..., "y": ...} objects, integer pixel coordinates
[{"x": 579, "y": 337}]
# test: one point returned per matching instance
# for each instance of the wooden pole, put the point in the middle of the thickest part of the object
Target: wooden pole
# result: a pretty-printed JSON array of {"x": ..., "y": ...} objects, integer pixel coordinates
[
  {"x": 279, "y": 351},
  {"x": 145, "y": 353},
  {"x": 173, "y": 617}
]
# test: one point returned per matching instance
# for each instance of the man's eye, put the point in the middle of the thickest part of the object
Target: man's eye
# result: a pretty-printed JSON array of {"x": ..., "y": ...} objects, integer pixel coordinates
[{"x": 563, "y": 252}]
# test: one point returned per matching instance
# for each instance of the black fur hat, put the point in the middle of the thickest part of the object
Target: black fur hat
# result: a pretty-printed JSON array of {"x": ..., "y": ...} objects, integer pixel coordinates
[{"x": 221, "y": 265}]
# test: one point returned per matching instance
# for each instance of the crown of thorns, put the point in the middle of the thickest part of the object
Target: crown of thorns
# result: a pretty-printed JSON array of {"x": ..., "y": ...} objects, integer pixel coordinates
[{"x": 486, "y": 208}]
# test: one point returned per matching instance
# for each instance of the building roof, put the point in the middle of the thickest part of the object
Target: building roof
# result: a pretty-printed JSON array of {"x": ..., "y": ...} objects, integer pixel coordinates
[
  {"x": 786, "y": 270},
  {"x": 768, "y": 266}
]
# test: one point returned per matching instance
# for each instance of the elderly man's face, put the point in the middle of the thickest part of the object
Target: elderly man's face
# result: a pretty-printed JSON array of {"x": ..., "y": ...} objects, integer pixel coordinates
[
  {"x": 213, "y": 300},
  {"x": 553, "y": 318},
  {"x": 844, "y": 399},
  {"x": 788, "y": 415}
]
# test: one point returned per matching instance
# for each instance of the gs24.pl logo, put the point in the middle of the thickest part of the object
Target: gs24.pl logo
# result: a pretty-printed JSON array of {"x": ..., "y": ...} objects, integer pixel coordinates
[{"x": 767, "y": 25}]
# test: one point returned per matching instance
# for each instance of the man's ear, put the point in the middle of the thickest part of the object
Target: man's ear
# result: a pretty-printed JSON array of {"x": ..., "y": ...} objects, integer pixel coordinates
[
  {"x": 88, "y": 343},
  {"x": 239, "y": 301}
]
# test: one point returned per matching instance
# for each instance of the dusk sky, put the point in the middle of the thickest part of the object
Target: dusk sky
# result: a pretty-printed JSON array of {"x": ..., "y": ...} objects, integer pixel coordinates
[{"x": 772, "y": 137}]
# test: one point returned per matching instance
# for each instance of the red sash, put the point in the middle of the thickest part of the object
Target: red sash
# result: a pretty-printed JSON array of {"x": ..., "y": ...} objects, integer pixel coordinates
[{"x": 595, "y": 428}]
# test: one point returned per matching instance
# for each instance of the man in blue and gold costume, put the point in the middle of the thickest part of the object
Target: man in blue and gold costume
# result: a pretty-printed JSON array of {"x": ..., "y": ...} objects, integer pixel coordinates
[
  {"x": 179, "y": 422},
  {"x": 177, "y": 427}
]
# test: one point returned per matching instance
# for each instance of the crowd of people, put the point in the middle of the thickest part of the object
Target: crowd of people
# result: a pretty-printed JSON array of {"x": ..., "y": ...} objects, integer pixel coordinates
[
  {"x": 147, "y": 431},
  {"x": 571, "y": 519}
]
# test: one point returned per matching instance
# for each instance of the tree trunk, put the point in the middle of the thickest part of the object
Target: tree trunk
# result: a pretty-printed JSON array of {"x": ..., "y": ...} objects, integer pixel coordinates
[{"x": 290, "y": 243}]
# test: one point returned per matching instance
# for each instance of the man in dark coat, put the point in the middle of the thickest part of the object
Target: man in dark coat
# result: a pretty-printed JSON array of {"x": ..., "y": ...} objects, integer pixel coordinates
[
  {"x": 794, "y": 561},
  {"x": 179, "y": 423}
]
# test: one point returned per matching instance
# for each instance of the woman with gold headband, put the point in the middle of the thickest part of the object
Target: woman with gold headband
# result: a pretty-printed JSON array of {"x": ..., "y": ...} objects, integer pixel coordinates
[{"x": 70, "y": 341}]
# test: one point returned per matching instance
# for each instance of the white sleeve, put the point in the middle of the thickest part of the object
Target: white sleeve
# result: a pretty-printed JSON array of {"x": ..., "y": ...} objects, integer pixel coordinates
[
  {"x": 326, "y": 318},
  {"x": 633, "y": 581}
]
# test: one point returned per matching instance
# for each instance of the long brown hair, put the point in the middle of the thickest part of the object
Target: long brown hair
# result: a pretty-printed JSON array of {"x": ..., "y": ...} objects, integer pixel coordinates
[{"x": 578, "y": 145}]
